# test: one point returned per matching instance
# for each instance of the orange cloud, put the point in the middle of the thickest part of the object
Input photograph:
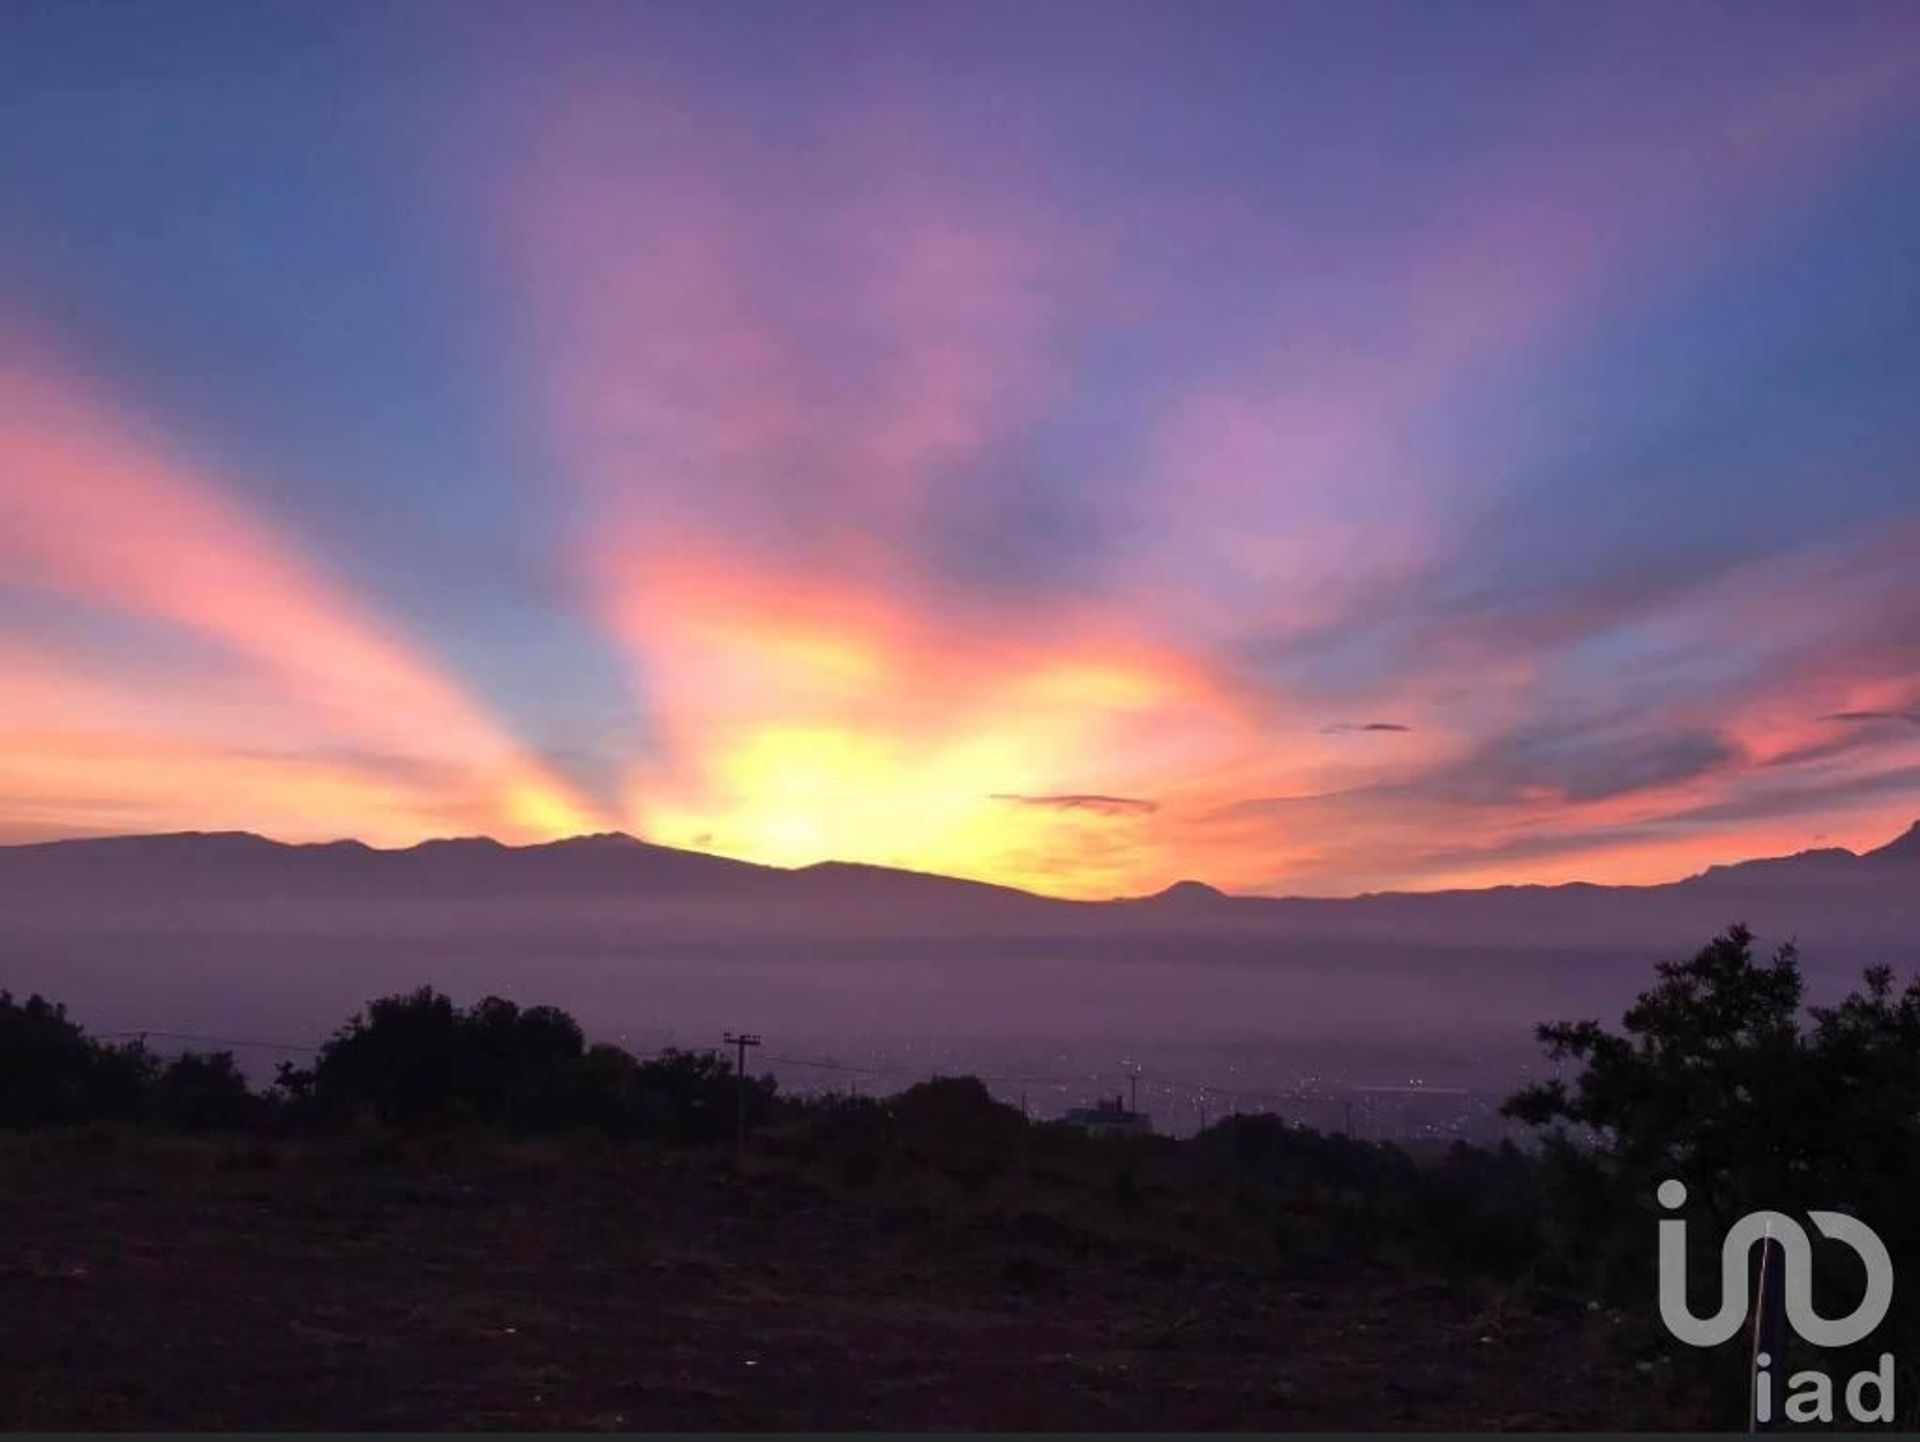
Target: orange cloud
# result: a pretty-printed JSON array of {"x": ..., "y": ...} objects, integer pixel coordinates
[
  {"x": 763, "y": 433},
  {"x": 802, "y": 720}
]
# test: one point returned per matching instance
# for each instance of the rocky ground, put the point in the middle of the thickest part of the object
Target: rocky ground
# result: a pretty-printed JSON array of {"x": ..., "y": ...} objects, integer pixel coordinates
[{"x": 209, "y": 1286}]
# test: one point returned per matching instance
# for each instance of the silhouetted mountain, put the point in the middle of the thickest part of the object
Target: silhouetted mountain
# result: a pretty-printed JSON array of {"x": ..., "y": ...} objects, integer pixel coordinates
[
  {"x": 1827, "y": 863},
  {"x": 616, "y": 867},
  {"x": 240, "y": 864},
  {"x": 231, "y": 933},
  {"x": 1185, "y": 893},
  {"x": 1904, "y": 848},
  {"x": 860, "y": 883}
]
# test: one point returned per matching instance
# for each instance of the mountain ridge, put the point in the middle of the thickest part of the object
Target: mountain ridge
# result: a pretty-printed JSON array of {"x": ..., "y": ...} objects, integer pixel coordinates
[
  {"x": 1903, "y": 847},
  {"x": 606, "y": 858},
  {"x": 233, "y": 934}
]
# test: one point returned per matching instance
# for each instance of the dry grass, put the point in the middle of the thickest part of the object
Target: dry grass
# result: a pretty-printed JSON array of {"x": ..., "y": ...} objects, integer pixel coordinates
[{"x": 362, "y": 1282}]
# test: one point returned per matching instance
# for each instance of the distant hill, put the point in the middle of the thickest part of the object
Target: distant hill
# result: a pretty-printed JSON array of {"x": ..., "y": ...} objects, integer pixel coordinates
[
  {"x": 1877, "y": 892},
  {"x": 227, "y": 862},
  {"x": 234, "y": 934},
  {"x": 1185, "y": 893},
  {"x": 1902, "y": 849},
  {"x": 226, "y": 870}
]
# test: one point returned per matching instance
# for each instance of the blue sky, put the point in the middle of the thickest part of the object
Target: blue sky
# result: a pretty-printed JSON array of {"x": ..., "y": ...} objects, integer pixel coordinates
[{"x": 795, "y": 431}]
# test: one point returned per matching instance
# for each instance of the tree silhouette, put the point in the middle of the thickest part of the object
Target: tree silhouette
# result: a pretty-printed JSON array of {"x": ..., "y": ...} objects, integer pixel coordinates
[
  {"x": 203, "y": 1091},
  {"x": 1721, "y": 1080},
  {"x": 53, "y": 1074},
  {"x": 1711, "y": 1079},
  {"x": 416, "y": 1059}
]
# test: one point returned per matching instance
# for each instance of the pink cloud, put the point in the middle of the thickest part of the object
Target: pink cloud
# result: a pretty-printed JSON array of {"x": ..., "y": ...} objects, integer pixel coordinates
[{"x": 94, "y": 508}]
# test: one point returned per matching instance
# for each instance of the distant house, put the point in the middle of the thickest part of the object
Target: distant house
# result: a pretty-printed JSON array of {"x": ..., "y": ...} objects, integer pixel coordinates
[{"x": 1110, "y": 1118}]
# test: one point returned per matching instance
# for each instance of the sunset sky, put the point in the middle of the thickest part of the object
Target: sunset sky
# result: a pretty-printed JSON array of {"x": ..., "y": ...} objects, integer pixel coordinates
[{"x": 1308, "y": 447}]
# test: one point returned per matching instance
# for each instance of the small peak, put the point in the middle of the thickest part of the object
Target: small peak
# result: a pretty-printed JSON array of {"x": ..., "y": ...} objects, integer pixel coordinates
[
  {"x": 1189, "y": 891},
  {"x": 203, "y": 840},
  {"x": 600, "y": 841},
  {"x": 458, "y": 843}
]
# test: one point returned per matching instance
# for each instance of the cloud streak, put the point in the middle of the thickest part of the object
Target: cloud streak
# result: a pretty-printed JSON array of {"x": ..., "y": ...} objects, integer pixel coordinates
[
  {"x": 118, "y": 523},
  {"x": 1104, "y": 805},
  {"x": 1015, "y": 469}
]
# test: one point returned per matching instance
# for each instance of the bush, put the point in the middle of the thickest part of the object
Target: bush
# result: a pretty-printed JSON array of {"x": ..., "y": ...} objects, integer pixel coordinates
[
  {"x": 199, "y": 1092},
  {"x": 1719, "y": 1078},
  {"x": 53, "y": 1074},
  {"x": 687, "y": 1098},
  {"x": 417, "y": 1060}
]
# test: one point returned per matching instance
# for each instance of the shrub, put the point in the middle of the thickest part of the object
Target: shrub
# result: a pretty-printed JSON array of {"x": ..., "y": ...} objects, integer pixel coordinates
[{"x": 53, "y": 1074}]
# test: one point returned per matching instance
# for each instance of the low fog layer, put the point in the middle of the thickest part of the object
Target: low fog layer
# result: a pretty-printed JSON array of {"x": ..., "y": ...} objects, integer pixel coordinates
[{"x": 892, "y": 973}]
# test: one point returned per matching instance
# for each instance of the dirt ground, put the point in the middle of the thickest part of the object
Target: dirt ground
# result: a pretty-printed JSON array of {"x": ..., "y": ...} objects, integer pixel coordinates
[{"x": 646, "y": 1292}]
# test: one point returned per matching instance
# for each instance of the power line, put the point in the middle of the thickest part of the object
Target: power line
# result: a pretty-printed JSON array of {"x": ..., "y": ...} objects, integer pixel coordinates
[
  {"x": 211, "y": 1040},
  {"x": 824, "y": 1065}
]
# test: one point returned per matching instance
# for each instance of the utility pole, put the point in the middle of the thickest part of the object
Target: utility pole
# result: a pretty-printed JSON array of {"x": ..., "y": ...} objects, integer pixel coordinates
[
  {"x": 1133, "y": 1091},
  {"x": 1769, "y": 1332},
  {"x": 740, "y": 1043}
]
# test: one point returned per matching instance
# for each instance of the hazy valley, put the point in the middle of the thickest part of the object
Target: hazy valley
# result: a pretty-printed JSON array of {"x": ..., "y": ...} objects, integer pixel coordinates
[{"x": 895, "y": 975}]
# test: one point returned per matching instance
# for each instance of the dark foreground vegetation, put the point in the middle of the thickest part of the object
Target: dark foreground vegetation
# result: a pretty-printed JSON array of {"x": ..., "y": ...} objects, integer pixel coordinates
[{"x": 472, "y": 1218}]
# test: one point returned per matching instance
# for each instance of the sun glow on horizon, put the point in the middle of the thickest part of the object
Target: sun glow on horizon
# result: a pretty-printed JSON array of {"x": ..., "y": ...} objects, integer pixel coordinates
[{"x": 814, "y": 450}]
